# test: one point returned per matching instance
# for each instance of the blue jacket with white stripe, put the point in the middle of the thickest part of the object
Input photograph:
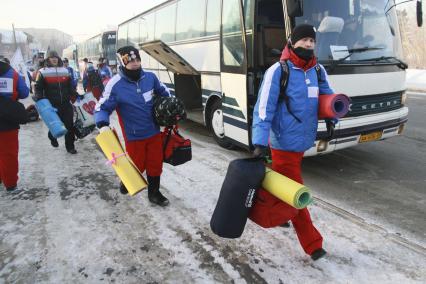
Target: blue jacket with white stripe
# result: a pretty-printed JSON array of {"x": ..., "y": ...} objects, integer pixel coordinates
[
  {"x": 272, "y": 121},
  {"x": 133, "y": 102},
  {"x": 7, "y": 83}
]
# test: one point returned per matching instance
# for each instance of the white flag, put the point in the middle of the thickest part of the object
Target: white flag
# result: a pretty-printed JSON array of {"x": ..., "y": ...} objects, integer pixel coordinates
[{"x": 18, "y": 63}]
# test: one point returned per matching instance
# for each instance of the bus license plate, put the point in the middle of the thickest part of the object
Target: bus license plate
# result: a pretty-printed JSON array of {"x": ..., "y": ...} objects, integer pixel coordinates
[{"x": 370, "y": 137}]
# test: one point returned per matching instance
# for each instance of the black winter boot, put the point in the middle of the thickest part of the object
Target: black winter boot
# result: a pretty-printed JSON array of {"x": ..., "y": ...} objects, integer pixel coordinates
[
  {"x": 53, "y": 140},
  {"x": 123, "y": 189},
  {"x": 54, "y": 143},
  {"x": 319, "y": 253},
  {"x": 285, "y": 225},
  {"x": 12, "y": 188},
  {"x": 154, "y": 194}
]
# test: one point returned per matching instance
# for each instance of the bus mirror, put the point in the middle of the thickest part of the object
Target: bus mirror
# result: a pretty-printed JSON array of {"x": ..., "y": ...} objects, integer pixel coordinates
[
  {"x": 419, "y": 11},
  {"x": 295, "y": 8}
]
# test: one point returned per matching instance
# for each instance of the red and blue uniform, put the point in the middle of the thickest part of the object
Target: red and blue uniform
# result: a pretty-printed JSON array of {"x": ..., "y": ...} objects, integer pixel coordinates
[{"x": 13, "y": 88}]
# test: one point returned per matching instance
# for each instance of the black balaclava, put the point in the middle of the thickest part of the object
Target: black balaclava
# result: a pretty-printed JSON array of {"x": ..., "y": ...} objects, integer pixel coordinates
[
  {"x": 299, "y": 32},
  {"x": 133, "y": 75},
  {"x": 127, "y": 54},
  {"x": 304, "y": 53}
]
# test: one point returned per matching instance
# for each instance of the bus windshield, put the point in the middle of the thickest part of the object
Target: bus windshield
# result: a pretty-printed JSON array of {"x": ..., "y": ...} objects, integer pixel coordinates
[
  {"x": 347, "y": 25},
  {"x": 110, "y": 53}
]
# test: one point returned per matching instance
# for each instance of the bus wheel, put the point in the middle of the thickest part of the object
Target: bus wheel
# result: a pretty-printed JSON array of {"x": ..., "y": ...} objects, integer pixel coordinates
[{"x": 216, "y": 126}]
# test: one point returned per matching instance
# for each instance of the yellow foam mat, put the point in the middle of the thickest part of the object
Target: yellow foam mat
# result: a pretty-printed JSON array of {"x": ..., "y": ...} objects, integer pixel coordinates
[
  {"x": 123, "y": 166},
  {"x": 287, "y": 190}
]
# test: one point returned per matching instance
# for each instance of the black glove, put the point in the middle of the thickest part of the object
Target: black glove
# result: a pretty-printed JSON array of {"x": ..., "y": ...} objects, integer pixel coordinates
[
  {"x": 260, "y": 151},
  {"x": 101, "y": 124},
  {"x": 330, "y": 124}
]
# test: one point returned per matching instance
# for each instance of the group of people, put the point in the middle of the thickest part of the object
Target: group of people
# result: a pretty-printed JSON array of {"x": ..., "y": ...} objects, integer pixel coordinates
[
  {"x": 286, "y": 126},
  {"x": 94, "y": 79}
]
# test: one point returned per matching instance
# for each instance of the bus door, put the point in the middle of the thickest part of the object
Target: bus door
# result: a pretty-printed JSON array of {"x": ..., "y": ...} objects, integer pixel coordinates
[
  {"x": 233, "y": 73},
  {"x": 187, "y": 79}
]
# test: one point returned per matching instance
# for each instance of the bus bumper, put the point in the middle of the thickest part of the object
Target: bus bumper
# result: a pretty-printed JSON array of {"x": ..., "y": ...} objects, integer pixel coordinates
[{"x": 355, "y": 130}]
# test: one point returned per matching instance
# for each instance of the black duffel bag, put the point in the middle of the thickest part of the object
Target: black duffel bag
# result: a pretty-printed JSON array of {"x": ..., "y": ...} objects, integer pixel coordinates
[{"x": 243, "y": 178}]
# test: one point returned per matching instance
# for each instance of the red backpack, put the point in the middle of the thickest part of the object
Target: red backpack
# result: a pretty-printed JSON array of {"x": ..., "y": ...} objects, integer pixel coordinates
[{"x": 177, "y": 150}]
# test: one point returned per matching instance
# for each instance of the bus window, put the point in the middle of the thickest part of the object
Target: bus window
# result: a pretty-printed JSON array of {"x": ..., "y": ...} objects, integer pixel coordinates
[
  {"x": 165, "y": 26},
  {"x": 213, "y": 17},
  {"x": 122, "y": 35},
  {"x": 147, "y": 27},
  {"x": 190, "y": 19},
  {"x": 133, "y": 33},
  {"x": 232, "y": 41}
]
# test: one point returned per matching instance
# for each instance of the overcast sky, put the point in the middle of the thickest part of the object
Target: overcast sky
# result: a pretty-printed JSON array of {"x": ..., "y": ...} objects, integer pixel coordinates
[{"x": 79, "y": 18}]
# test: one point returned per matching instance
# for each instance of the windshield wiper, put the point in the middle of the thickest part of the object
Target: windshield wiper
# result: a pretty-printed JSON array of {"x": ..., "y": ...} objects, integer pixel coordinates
[
  {"x": 401, "y": 64},
  {"x": 350, "y": 52}
]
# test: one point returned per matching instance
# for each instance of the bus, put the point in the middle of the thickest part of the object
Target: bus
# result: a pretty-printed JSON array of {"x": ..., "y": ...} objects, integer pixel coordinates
[
  {"x": 72, "y": 55},
  {"x": 213, "y": 54},
  {"x": 101, "y": 45}
]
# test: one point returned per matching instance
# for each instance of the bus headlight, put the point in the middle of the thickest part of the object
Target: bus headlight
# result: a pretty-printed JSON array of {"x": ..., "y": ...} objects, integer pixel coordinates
[
  {"x": 322, "y": 146},
  {"x": 403, "y": 98}
]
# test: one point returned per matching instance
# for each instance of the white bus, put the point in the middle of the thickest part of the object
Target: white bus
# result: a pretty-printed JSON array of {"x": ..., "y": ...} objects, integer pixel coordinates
[
  {"x": 101, "y": 45},
  {"x": 71, "y": 54},
  {"x": 213, "y": 53}
]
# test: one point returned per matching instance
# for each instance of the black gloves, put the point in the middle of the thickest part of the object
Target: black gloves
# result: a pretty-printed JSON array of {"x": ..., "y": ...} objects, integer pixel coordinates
[
  {"x": 260, "y": 151},
  {"x": 330, "y": 124},
  {"x": 101, "y": 124}
]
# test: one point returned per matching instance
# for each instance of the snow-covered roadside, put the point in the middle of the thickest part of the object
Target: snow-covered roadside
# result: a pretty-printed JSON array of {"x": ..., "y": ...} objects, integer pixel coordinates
[
  {"x": 70, "y": 224},
  {"x": 416, "y": 80}
]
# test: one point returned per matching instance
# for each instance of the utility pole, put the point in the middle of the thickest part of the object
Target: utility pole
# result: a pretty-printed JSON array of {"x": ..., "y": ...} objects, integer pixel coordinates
[{"x": 14, "y": 37}]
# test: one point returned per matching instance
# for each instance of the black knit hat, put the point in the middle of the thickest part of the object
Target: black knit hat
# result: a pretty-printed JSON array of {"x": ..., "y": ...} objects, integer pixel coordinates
[
  {"x": 52, "y": 53},
  {"x": 302, "y": 31},
  {"x": 128, "y": 53}
]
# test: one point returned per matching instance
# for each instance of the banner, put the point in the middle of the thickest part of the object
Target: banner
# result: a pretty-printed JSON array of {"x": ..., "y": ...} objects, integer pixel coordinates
[{"x": 18, "y": 63}]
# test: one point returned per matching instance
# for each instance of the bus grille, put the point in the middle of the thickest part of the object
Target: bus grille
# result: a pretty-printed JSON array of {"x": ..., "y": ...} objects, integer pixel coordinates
[{"x": 365, "y": 105}]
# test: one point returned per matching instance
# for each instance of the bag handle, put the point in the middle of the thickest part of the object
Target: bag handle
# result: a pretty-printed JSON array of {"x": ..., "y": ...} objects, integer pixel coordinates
[{"x": 168, "y": 129}]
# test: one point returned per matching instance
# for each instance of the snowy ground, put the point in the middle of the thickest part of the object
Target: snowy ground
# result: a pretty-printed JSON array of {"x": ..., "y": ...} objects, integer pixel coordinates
[
  {"x": 416, "y": 79},
  {"x": 69, "y": 224}
]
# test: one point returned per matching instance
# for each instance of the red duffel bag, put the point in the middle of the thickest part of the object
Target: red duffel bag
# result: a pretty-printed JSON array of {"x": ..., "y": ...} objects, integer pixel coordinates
[
  {"x": 269, "y": 211},
  {"x": 177, "y": 150}
]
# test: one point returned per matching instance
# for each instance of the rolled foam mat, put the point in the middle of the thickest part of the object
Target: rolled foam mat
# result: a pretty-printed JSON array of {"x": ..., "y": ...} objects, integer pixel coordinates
[
  {"x": 122, "y": 164},
  {"x": 287, "y": 190},
  {"x": 333, "y": 106},
  {"x": 50, "y": 118}
]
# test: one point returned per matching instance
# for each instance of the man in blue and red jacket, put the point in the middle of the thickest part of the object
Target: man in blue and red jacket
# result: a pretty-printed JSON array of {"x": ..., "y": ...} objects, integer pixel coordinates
[
  {"x": 287, "y": 121},
  {"x": 12, "y": 113},
  {"x": 131, "y": 93}
]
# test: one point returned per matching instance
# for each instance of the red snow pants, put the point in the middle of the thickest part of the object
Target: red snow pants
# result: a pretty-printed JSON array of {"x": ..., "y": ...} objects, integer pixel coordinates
[
  {"x": 147, "y": 154},
  {"x": 9, "y": 146},
  {"x": 290, "y": 165}
]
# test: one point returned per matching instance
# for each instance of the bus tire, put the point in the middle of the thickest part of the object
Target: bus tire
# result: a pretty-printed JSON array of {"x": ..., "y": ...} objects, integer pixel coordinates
[{"x": 215, "y": 125}]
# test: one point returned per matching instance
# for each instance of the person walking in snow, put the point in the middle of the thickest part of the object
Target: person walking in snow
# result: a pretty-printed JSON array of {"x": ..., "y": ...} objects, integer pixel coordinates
[
  {"x": 53, "y": 82},
  {"x": 287, "y": 121},
  {"x": 12, "y": 113},
  {"x": 130, "y": 93}
]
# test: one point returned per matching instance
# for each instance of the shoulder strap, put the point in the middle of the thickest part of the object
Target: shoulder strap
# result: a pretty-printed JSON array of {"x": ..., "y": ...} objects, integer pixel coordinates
[
  {"x": 15, "y": 86},
  {"x": 285, "y": 74},
  {"x": 318, "y": 70}
]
